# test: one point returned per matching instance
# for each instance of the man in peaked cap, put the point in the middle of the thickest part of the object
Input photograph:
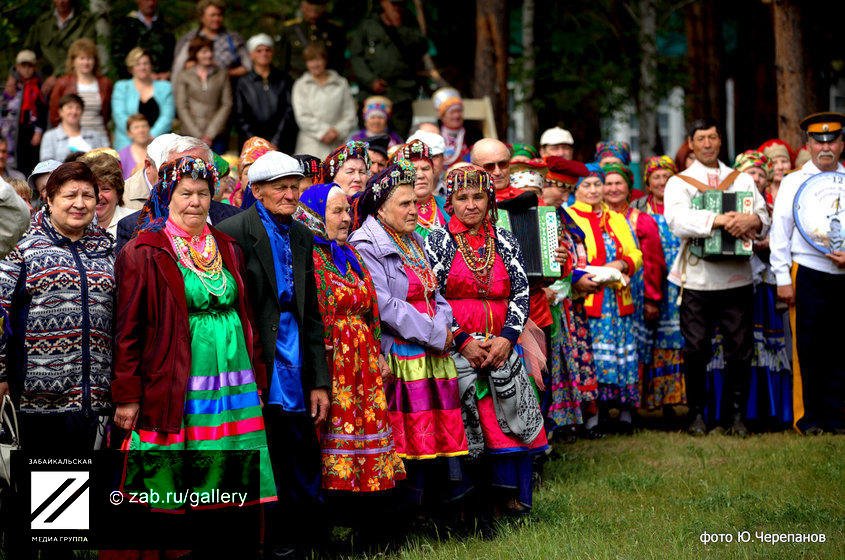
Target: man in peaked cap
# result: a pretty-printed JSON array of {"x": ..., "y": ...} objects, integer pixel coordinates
[{"x": 815, "y": 289}]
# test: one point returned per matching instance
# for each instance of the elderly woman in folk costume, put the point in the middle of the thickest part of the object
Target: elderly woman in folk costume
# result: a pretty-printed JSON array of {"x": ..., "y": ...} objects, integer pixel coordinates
[
  {"x": 646, "y": 283},
  {"x": 430, "y": 208},
  {"x": 357, "y": 443},
  {"x": 770, "y": 390},
  {"x": 610, "y": 244},
  {"x": 425, "y": 412},
  {"x": 348, "y": 166},
  {"x": 480, "y": 273},
  {"x": 358, "y": 456},
  {"x": 181, "y": 281},
  {"x": 663, "y": 371}
]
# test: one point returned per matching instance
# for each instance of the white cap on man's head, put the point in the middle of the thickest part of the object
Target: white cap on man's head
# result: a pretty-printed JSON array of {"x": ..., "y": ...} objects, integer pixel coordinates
[
  {"x": 159, "y": 148},
  {"x": 556, "y": 135},
  {"x": 435, "y": 142},
  {"x": 272, "y": 166},
  {"x": 262, "y": 39}
]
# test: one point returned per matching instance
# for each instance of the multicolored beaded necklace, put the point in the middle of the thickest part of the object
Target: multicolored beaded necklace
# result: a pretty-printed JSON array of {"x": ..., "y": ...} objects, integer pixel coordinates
[
  {"x": 414, "y": 258},
  {"x": 200, "y": 256},
  {"x": 480, "y": 262}
]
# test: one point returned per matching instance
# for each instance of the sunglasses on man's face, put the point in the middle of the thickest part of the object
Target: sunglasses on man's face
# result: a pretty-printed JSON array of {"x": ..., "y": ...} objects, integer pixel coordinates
[{"x": 502, "y": 165}]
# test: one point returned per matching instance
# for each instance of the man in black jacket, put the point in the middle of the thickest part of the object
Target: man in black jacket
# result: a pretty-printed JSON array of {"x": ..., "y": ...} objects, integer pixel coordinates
[
  {"x": 263, "y": 99},
  {"x": 279, "y": 277}
]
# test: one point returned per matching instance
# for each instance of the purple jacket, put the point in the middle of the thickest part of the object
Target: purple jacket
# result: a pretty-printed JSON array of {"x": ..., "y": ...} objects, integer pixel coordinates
[{"x": 398, "y": 317}]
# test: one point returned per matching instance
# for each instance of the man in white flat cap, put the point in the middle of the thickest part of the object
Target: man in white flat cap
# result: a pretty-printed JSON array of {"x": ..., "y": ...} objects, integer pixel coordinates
[
  {"x": 263, "y": 98},
  {"x": 278, "y": 255},
  {"x": 557, "y": 141}
]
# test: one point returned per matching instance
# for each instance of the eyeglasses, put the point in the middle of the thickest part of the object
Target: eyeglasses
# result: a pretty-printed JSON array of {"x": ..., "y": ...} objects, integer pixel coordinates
[{"x": 502, "y": 165}]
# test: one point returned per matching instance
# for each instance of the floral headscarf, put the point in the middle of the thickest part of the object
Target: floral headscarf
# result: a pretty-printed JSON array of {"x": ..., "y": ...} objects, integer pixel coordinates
[
  {"x": 312, "y": 213},
  {"x": 622, "y": 170},
  {"x": 471, "y": 177},
  {"x": 155, "y": 212},
  {"x": 654, "y": 163},
  {"x": 612, "y": 148},
  {"x": 593, "y": 170},
  {"x": 752, "y": 158},
  {"x": 354, "y": 149}
]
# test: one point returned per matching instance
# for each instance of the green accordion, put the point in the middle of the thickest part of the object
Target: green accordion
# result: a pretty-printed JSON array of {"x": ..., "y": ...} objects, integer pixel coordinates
[{"x": 721, "y": 244}]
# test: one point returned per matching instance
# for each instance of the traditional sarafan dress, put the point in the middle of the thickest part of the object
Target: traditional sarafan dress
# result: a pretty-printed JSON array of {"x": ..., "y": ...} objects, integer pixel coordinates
[
  {"x": 663, "y": 376},
  {"x": 222, "y": 407},
  {"x": 423, "y": 404},
  {"x": 608, "y": 237},
  {"x": 357, "y": 448},
  {"x": 483, "y": 280}
]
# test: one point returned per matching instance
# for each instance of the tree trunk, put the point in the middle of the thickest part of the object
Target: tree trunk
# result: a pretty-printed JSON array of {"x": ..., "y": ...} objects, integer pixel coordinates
[
  {"x": 491, "y": 58},
  {"x": 530, "y": 115},
  {"x": 789, "y": 69},
  {"x": 706, "y": 96},
  {"x": 647, "y": 99}
]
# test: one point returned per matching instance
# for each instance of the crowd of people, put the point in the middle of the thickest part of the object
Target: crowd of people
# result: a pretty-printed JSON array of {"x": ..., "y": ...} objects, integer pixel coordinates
[{"x": 360, "y": 314}]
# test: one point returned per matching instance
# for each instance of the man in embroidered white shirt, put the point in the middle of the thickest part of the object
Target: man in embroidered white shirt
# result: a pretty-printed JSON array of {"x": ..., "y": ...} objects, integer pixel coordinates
[
  {"x": 819, "y": 283},
  {"x": 714, "y": 293}
]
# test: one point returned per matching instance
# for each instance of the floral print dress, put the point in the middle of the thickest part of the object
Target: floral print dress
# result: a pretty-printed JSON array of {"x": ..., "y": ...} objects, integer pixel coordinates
[{"x": 356, "y": 444}]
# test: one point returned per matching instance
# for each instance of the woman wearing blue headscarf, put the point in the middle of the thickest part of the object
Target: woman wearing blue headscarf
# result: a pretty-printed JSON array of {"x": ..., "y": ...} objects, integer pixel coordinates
[{"x": 357, "y": 445}]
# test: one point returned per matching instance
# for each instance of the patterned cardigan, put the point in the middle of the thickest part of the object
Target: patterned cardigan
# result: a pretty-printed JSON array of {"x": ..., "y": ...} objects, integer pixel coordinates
[
  {"x": 440, "y": 247},
  {"x": 58, "y": 294}
]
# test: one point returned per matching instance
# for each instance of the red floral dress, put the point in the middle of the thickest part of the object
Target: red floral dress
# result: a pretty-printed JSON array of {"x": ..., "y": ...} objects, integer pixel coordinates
[{"x": 356, "y": 443}]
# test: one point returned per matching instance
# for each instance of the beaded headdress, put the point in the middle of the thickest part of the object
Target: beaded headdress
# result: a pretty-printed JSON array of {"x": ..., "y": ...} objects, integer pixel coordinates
[
  {"x": 471, "y": 177},
  {"x": 381, "y": 186},
  {"x": 412, "y": 151},
  {"x": 354, "y": 149},
  {"x": 310, "y": 165},
  {"x": 155, "y": 212}
]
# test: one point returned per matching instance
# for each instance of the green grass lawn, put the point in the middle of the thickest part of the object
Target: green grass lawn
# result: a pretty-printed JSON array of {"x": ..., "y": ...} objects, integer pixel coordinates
[{"x": 652, "y": 495}]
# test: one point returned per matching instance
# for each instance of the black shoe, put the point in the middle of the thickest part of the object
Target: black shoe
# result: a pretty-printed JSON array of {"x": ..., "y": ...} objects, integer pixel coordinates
[
  {"x": 813, "y": 431},
  {"x": 698, "y": 428},
  {"x": 738, "y": 428},
  {"x": 626, "y": 428},
  {"x": 594, "y": 433},
  {"x": 566, "y": 434}
]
